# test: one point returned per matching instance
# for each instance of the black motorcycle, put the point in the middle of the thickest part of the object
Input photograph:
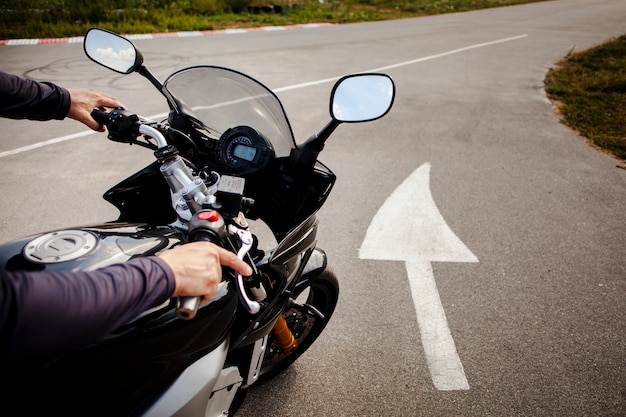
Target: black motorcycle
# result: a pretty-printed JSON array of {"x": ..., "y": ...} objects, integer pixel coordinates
[{"x": 226, "y": 162}]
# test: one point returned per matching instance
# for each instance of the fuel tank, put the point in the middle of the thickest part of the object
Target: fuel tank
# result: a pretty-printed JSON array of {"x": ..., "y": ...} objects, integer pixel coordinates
[
  {"x": 86, "y": 248},
  {"x": 130, "y": 367}
]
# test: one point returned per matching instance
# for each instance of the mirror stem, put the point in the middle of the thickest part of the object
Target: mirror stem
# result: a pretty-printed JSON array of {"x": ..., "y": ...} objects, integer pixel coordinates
[
  {"x": 325, "y": 133},
  {"x": 146, "y": 73},
  {"x": 305, "y": 155}
]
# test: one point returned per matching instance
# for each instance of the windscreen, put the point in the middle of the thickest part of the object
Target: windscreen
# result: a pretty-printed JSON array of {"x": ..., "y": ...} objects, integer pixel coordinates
[{"x": 221, "y": 98}]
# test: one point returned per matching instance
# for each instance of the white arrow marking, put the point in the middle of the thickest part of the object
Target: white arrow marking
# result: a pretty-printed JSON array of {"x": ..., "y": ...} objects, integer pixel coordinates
[{"x": 408, "y": 227}]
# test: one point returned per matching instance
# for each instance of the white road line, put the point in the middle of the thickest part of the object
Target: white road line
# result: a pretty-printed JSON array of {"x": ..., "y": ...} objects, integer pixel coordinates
[
  {"x": 287, "y": 88},
  {"x": 45, "y": 143},
  {"x": 452, "y": 52},
  {"x": 62, "y": 139}
]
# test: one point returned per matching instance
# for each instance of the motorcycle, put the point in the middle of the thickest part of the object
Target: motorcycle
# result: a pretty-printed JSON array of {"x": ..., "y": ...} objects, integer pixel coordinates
[{"x": 225, "y": 160}]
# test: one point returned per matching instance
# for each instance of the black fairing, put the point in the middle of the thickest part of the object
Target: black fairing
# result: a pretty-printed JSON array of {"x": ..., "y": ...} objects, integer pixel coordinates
[
  {"x": 283, "y": 200},
  {"x": 125, "y": 372},
  {"x": 144, "y": 196}
]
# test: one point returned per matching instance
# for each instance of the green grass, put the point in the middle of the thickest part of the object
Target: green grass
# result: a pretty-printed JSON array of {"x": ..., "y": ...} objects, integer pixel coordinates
[
  {"x": 589, "y": 88},
  {"x": 63, "y": 18}
]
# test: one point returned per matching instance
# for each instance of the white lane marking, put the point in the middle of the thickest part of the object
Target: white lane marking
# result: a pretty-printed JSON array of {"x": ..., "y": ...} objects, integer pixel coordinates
[
  {"x": 408, "y": 227},
  {"x": 45, "y": 143},
  {"x": 452, "y": 52},
  {"x": 286, "y": 88},
  {"x": 405, "y": 63},
  {"x": 62, "y": 139}
]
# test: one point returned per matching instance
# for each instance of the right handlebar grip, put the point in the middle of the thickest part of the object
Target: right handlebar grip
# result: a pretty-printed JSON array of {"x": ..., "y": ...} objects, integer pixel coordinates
[
  {"x": 200, "y": 229},
  {"x": 186, "y": 307}
]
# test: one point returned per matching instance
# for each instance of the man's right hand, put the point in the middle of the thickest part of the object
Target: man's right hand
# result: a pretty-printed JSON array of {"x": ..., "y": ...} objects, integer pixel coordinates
[{"x": 197, "y": 268}]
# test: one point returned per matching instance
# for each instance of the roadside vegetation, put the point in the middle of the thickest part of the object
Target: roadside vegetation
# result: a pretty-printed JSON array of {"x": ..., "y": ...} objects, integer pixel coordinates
[
  {"x": 589, "y": 90},
  {"x": 63, "y": 18}
]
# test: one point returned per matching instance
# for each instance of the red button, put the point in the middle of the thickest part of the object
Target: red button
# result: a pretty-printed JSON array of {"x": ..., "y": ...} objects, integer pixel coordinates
[{"x": 210, "y": 215}]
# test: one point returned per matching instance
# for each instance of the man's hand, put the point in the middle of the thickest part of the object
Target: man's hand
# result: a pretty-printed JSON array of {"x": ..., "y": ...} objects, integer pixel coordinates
[
  {"x": 197, "y": 268},
  {"x": 84, "y": 100}
]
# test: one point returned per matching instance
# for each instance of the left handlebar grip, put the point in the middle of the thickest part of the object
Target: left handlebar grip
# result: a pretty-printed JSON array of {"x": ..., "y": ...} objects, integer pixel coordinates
[
  {"x": 100, "y": 116},
  {"x": 123, "y": 126}
]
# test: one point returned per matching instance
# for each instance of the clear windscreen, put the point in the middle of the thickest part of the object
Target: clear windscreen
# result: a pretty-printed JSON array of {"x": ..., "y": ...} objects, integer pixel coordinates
[{"x": 221, "y": 98}]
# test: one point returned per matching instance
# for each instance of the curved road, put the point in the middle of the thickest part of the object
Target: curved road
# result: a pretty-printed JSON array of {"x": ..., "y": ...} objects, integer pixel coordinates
[{"x": 531, "y": 315}]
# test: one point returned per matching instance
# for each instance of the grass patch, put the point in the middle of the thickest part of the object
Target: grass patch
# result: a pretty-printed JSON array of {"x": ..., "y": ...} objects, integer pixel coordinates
[
  {"x": 63, "y": 18},
  {"x": 589, "y": 89}
]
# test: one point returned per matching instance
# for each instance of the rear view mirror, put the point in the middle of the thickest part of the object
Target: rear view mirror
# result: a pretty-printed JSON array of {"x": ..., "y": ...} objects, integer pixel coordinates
[
  {"x": 361, "y": 97},
  {"x": 112, "y": 51}
]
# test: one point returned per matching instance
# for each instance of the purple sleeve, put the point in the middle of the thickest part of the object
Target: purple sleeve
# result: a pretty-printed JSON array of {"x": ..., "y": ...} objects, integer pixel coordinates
[
  {"x": 23, "y": 98},
  {"x": 45, "y": 313}
]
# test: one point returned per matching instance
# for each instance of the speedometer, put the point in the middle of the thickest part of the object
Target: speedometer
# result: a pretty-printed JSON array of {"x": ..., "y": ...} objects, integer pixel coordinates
[
  {"x": 238, "y": 149},
  {"x": 242, "y": 150}
]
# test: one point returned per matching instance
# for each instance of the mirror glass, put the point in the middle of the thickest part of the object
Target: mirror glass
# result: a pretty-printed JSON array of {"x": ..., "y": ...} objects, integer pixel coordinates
[
  {"x": 111, "y": 50},
  {"x": 362, "y": 97}
]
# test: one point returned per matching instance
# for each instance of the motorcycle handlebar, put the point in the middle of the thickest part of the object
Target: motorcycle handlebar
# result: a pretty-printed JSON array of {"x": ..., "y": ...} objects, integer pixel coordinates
[
  {"x": 209, "y": 226},
  {"x": 201, "y": 228},
  {"x": 186, "y": 307},
  {"x": 124, "y": 126}
]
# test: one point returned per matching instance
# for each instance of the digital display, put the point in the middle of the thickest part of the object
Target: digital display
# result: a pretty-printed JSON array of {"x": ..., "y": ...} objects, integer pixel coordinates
[{"x": 244, "y": 152}]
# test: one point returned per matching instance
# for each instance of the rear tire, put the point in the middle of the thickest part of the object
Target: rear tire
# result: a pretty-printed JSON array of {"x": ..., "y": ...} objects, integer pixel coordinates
[{"x": 321, "y": 292}]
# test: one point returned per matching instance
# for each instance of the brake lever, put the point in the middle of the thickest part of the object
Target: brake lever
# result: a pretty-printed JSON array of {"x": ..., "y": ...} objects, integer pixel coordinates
[
  {"x": 245, "y": 236},
  {"x": 187, "y": 306}
]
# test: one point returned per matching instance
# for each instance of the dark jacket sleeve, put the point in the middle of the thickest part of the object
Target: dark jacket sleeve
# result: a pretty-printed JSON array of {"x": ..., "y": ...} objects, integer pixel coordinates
[
  {"x": 23, "y": 98},
  {"x": 48, "y": 313}
]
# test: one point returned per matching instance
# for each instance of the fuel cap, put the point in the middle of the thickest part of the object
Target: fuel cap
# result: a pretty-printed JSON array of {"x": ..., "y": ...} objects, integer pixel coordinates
[{"x": 60, "y": 246}]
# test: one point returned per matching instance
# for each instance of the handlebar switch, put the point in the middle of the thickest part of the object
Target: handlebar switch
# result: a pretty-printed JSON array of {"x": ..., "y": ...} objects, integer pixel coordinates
[
  {"x": 207, "y": 225},
  {"x": 122, "y": 125}
]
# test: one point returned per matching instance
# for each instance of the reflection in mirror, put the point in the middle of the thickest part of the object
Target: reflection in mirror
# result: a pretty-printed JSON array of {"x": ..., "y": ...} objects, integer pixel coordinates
[
  {"x": 362, "y": 97},
  {"x": 110, "y": 50}
]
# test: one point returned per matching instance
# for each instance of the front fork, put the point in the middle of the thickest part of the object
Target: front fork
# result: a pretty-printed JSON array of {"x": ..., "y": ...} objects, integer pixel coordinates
[
  {"x": 284, "y": 337},
  {"x": 285, "y": 340}
]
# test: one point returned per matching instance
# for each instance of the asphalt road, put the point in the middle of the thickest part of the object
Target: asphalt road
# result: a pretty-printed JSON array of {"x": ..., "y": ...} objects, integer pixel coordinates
[{"x": 538, "y": 321}]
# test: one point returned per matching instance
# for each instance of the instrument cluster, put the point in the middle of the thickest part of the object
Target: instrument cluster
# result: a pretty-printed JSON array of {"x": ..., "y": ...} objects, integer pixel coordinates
[{"x": 242, "y": 150}]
